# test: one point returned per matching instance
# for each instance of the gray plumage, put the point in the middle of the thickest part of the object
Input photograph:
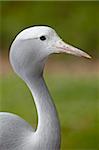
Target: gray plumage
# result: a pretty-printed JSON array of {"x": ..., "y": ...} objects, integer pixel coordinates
[{"x": 28, "y": 55}]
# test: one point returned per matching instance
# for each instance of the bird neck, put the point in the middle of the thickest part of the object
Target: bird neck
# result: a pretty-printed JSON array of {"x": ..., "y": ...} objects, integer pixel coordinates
[{"x": 48, "y": 129}]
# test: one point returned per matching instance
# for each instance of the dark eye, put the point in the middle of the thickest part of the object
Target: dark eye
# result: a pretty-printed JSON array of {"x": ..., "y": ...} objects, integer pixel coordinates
[{"x": 43, "y": 38}]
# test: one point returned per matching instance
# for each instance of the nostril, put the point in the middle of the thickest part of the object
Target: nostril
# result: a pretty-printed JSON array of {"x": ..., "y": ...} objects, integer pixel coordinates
[{"x": 60, "y": 42}]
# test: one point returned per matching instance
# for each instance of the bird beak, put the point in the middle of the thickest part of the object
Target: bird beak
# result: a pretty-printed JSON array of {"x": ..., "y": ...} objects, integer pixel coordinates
[{"x": 62, "y": 47}]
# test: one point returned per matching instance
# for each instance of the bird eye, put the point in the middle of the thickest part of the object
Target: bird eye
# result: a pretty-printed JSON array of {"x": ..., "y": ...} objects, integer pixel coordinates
[{"x": 43, "y": 38}]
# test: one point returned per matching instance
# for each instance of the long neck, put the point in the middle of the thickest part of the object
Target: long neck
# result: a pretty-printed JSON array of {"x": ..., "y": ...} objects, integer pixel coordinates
[{"x": 48, "y": 129}]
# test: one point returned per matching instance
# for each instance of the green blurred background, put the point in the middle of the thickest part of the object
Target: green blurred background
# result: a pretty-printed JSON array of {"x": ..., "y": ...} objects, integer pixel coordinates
[{"x": 72, "y": 81}]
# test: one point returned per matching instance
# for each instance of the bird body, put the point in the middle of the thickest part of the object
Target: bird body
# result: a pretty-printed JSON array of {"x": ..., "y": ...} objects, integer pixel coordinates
[
  {"x": 14, "y": 131},
  {"x": 28, "y": 55}
]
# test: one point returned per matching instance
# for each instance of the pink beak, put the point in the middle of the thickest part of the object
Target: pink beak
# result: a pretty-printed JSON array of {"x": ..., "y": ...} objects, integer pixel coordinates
[{"x": 62, "y": 47}]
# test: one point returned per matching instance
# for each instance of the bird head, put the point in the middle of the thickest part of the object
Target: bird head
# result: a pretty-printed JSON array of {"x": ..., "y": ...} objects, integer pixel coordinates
[{"x": 32, "y": 46}]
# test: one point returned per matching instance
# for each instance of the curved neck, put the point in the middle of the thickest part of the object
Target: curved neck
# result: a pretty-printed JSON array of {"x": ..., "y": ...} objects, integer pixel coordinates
[{"x": 48, "y": 129}]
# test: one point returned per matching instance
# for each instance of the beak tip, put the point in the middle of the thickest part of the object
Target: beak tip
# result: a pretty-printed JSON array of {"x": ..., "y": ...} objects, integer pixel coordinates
[{"x": 88, "y": 56}]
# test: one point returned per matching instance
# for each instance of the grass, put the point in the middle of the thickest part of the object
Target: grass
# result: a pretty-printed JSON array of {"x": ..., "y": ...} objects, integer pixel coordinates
[{"x": 77, "y": 102}]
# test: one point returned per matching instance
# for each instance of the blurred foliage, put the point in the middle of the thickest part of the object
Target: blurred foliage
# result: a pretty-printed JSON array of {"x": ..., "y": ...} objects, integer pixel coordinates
[{"x": 76, "y": 22}]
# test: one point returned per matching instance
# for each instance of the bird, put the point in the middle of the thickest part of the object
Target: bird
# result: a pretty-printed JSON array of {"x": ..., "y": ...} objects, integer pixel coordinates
[{"x": 28, "y": 54}]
